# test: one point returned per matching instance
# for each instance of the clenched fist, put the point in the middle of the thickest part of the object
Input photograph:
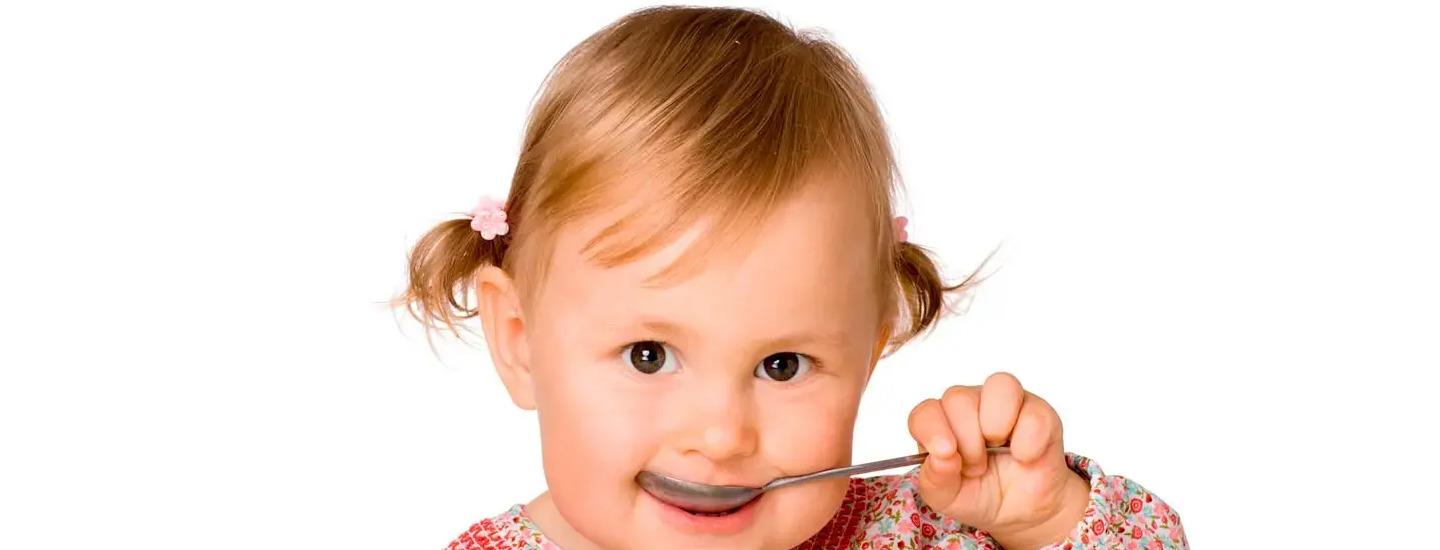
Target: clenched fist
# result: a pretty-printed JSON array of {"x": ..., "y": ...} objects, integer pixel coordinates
[{"x": 1026, "y": 498}]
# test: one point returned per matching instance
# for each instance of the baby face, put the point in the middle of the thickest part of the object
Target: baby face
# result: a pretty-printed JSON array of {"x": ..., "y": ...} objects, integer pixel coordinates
[{"x": 749, "y": 370}]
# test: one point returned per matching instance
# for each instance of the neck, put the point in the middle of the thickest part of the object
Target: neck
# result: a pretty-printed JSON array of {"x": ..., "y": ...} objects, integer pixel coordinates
[{"x": 546, "y": 516}]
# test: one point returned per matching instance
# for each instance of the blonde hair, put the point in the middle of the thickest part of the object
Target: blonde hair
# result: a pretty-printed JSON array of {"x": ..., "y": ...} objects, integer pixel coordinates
[{"x": 716, "y": 114}]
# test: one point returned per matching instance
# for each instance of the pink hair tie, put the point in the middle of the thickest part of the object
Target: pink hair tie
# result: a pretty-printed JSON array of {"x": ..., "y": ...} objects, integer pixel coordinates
[
  {"x": 488, "y": 218},
  {"x": 900, "y": 234}
]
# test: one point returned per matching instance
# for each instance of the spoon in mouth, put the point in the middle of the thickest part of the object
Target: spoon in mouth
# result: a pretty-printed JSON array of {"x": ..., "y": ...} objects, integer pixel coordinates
[{"x": 700, "y": 497}]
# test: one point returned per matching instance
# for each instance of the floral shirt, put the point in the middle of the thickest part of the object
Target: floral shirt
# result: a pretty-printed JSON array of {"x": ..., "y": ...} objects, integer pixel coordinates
[{"x": 885, "y": 513}]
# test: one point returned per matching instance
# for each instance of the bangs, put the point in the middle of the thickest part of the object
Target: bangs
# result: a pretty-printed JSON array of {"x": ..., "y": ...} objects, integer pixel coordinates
[{"x": 669, "y": 132}]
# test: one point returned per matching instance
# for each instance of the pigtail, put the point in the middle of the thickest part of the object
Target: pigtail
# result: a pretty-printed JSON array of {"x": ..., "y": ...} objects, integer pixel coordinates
[
  {"x": 442, "y": 267},
  {"x": 923, "y": 292}
]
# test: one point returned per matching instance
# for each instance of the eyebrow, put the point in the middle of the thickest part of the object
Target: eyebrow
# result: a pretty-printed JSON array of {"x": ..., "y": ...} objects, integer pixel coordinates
[{"x": 669, "y": 328}]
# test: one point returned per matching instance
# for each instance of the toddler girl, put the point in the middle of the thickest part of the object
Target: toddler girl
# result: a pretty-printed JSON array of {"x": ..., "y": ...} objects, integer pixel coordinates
[{"x": 695, "y": 273}]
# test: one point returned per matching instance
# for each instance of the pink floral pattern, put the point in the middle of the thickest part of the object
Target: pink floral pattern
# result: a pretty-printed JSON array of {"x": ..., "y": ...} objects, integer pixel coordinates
[{"x": 885, "y": 513}]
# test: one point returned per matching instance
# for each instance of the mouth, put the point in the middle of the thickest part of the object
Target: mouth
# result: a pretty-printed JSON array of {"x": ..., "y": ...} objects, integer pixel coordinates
[
  {"x": 697, "y": 519},
  {"x": 722, "y": 513},
  {"x": 696, "y": 508}
]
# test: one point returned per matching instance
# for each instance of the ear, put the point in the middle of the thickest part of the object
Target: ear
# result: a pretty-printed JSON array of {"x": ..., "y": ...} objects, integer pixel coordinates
[{"x": 504, "y": 323}]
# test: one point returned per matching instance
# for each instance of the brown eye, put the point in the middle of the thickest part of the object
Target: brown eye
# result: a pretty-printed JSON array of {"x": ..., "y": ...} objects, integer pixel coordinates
[
  {"x": 782, "y": 367},
  {"x": 649, "y": 357}
]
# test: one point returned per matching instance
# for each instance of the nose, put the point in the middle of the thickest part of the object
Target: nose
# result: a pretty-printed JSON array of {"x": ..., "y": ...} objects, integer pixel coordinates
[{"x": 720, "y": 421}]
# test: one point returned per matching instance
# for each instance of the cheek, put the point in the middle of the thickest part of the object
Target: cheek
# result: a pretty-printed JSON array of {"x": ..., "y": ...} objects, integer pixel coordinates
[
  {"x": 815, "y": 435},
  {"x": 593, "y": 437},
  {"x": 810, "y": 432}
]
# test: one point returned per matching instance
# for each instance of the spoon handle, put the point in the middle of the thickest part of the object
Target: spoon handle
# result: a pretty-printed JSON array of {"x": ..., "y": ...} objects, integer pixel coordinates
[{"x": 847, "y": 471}]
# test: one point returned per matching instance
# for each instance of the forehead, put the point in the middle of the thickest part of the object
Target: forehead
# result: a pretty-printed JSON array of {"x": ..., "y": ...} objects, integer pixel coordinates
[{"x": 809, "y": 261}]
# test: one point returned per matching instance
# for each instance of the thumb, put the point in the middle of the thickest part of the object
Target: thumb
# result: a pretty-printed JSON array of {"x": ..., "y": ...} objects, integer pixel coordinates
[{"x": 939, "y": 479}]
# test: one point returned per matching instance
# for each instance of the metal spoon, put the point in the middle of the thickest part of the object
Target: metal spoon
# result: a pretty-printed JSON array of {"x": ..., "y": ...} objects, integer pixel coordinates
[{"x": 699, "y": 497}]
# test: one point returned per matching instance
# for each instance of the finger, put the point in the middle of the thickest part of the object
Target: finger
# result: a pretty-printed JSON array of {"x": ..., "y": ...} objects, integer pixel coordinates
[
  {"x": 1000, "y": 400},
  {"x": 939, "y": 479},
  {"x": 962, "y": 409},
  {"x": 1037, "y": 433},
  {"x": 930, "y": 429}
]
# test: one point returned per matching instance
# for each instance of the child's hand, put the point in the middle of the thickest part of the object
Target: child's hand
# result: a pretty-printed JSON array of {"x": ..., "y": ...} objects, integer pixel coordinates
[{"x": 1025, "y": 499}]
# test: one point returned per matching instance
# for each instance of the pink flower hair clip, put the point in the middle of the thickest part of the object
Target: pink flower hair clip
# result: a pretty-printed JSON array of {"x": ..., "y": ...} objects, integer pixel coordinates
[
  {"x": 899, "y": 225},
  {"x": 488, "y": 218}
]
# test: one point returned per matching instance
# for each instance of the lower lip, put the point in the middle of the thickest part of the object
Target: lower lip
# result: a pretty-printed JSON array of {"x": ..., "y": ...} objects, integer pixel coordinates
[{"x": 727, "y": 524}]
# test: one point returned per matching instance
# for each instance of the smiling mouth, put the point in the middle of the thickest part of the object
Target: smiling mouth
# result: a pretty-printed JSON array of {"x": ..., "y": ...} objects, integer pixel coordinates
[
  {"x": 694, "y": 509},
  {"x": 711, "y": 514}
]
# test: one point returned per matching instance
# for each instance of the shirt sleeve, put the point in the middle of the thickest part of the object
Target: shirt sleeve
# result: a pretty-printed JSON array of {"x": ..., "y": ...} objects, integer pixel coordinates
[{"x": 1121, "y": 514}]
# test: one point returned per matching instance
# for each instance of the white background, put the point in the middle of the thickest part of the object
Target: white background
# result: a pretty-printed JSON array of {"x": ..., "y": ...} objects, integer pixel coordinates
[{"x": 1220, "y": 257}]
